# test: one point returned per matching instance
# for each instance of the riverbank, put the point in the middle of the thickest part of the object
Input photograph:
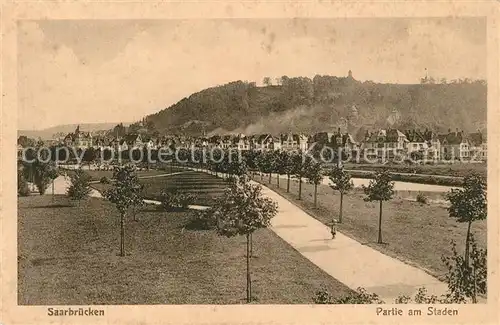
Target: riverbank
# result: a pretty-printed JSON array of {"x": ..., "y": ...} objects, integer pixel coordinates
[
  {"x": 439, "y": 171},
  {"x": 412, "y": 178}
]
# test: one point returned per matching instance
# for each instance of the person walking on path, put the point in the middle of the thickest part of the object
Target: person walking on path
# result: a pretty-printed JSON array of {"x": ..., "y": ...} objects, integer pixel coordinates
[{"x": 334, "y": 228}]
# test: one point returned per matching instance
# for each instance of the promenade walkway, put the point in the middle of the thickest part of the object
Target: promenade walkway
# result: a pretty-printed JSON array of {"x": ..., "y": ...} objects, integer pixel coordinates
[{"x": 347, "y": 260}]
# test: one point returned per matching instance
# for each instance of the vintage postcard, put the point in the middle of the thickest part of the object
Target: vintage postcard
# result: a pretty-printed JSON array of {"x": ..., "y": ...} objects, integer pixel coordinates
[{"x": 267, "y": 163}]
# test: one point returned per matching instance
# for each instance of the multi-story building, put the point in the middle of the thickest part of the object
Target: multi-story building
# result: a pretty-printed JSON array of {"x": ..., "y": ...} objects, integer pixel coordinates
[
  {"x": 434, "y": 145},
  {"x": 292, "y": 141},
  {"x": 102, "y": 143},
  {"x": 344, "y": 141},
  {"x": 215, "y": 141},
  {"x": 130, "y": 141},
  {"x": 321, "y": 139},
  {"x": 384, "y": 144},
  {"x": 478, "y": 146},
  {"x": 241, "y": 142},
  {"x": 226, "y": 141},
  {"x": 267, "y": 142},
  {"x": 416, "y": 142},
  {"x": 455, "y": 145},
  {"x": 78, "y": 139}
]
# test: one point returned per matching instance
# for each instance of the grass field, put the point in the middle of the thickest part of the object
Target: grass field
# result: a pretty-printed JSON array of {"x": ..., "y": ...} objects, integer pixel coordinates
[
  {"x": 96, "y": 175},
  {"x": 206, "y": 188},
  {"x": 68, "y": 255},
  {"x": 455, "y": 170},
  {"x": 416, "y": 233}
]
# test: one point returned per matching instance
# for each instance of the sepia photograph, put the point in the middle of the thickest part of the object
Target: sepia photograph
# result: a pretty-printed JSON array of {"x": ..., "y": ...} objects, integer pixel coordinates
[
  {"x": 301, "y": 171},
  {"x": 252, "y": 161}
]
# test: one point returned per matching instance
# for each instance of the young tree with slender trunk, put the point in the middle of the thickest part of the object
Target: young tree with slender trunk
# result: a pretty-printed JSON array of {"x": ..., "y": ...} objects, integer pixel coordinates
[
  {"x": 340, "y": 181},
  {"x": 269, "y": 164},
  {"x": 260, "y": 162},
  {"x": 43, "y": 175},
  {"x": 314, "y": 174},
  {"x": 123, "y": 194},
  {"x": 240, "y": 212},
  {"x": 301, "y": 163},
  {"x": 137, "y": 199},
  {"x": 466, "y": 279},
  {"x": 52, "y": 173},
  {"x": 89, "y": 156},
  {"x": 79, "y": 188},
  {"x": 381, "y": 188},
  {"x": 280, "y": 167},
  {"x": 287, "y": 168},
  {"x": 468, "y": 204},
  {"x": 22, "y": 184},
  {"x": 250, "y": 158}
]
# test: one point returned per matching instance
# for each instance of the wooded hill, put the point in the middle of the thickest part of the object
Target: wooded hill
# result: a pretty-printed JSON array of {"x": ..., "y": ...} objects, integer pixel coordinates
[{"x": 324, "y": 104}]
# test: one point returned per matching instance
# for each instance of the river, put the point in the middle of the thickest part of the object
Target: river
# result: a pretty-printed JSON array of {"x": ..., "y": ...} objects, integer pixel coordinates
[{"x": 398, "y": 185}]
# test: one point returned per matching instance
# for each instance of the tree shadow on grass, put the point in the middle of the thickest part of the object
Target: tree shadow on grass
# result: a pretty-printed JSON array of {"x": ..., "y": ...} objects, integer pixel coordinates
[
  {"x": 156, "y": 209},
  {"x": 198, "y": 225},
  {"x": 53, "y": 206},
  {"x": 374, "y": 243}
]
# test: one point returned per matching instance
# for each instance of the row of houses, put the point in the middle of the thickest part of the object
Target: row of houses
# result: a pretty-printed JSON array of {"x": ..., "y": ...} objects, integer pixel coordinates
[
  {"x": 451, "y": 145},
  {"x": 376, "y": 144},
  {"x": 84, "y": 140}
]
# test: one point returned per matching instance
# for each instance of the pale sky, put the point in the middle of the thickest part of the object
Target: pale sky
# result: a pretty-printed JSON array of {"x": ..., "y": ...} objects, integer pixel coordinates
[{"x": 121, "y": 70}]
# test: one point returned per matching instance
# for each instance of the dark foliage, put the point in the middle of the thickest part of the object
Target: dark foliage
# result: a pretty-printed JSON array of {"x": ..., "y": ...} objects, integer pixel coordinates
[
  {"x": 202, "y": 220},
  {"x": 172, "y": 200},
  {"x": 22, "y": 185},
  {"x": 104, "y": 180},
  {"x": 361, "y": 296},
  {"x": 421, "y": 198},
  {"x": 310, "y": 105}
]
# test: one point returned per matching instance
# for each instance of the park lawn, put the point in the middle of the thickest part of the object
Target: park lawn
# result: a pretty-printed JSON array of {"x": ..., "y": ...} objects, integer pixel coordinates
[
  {"x": 96, "y": 175},
  {"x": 418, "y": 234},
  {"x": 205, "y": 188},
  {"x": 67, "y": 255}
]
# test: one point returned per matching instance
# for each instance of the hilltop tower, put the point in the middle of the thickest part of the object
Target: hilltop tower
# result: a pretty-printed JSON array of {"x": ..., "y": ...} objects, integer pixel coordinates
[{"x": 349, "y": 74}]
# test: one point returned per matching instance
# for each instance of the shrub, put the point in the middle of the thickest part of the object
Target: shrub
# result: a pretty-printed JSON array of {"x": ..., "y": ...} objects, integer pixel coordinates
[
  {"x": 361, "y": 296},
  {"x": 185, "y": 199},
  {"x": 79, "y": 188},
  {"x": 172, "y": 200},
  {"x": 104, "y": 180},
  {"x": 203, "y": 220},
  {"x": 323, "y": 297},
  {"x": 168, "y": 200},
  {"x": 22, "y": 186},
  {"x": 43, "y": 176},
  {"x": 466, "y": 279},
  {"x": 403, "y": 299},
  {"x": 421, "y": 297},
  {"x": 421, "y": 198}
]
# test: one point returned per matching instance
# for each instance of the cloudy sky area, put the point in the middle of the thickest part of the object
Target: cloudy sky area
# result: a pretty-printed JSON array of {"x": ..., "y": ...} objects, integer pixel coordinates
[{"x": 109, "y": 71}]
